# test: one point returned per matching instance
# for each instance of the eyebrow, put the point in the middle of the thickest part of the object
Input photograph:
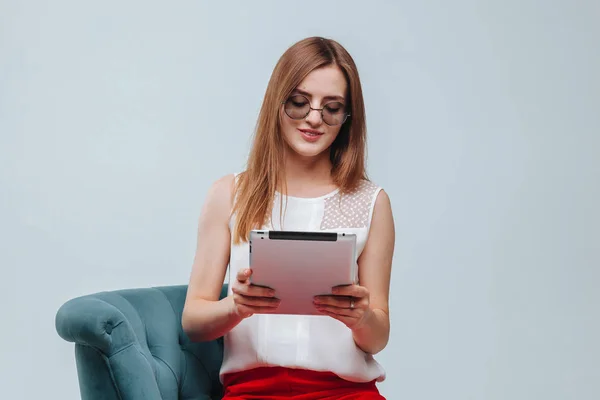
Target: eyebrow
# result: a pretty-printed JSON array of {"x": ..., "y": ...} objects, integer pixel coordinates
[{"x": 339, "y": 98}]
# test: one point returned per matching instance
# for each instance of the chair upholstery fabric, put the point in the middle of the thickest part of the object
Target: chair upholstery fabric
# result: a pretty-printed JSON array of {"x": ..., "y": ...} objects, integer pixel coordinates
[{"x": 129, "y": 344}]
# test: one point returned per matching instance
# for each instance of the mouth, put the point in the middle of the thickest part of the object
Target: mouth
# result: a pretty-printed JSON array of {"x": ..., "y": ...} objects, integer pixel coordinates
[{"x": 311, "y": 133}]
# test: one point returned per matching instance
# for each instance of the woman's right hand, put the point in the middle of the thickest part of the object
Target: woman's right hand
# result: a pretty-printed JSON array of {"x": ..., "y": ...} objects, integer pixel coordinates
[{"x": 249, "y": 299}]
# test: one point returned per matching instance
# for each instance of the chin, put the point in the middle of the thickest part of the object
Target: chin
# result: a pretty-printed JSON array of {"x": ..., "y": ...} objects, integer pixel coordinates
[{"x": 308, "y": 150}]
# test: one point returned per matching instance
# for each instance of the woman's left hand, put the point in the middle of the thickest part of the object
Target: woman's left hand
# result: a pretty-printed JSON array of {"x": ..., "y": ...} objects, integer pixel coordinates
[{"x": 348, "y": 304}]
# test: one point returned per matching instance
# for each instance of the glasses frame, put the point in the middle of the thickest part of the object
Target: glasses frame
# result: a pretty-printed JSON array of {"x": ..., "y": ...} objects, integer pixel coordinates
[{"x": 310, "y": 108}]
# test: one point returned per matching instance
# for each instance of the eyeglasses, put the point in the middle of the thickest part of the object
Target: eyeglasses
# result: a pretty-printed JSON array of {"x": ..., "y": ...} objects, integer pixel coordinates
[{"x": 298, "y": 107}]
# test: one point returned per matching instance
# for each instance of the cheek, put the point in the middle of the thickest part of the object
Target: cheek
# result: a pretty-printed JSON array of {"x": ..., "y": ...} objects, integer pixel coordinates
[
  {"x": 288, "y": 126},
  {"x": 333, "y": 131}
]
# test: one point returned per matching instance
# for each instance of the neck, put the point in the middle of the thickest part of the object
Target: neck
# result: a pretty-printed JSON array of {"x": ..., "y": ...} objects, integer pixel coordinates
[{"x": 301, "y": 171}]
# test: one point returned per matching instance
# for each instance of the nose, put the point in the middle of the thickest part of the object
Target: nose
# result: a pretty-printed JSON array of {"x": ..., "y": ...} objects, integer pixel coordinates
[{"x": 314, "y": 117}]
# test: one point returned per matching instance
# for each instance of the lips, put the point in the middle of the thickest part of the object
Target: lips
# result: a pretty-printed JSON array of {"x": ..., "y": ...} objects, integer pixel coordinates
[{"x": 310, "y": 135}]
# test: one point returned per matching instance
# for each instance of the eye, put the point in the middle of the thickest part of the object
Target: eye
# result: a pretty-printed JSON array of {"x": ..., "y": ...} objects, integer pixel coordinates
[
  {"x": 298, "y": 101},
  {"x": 334, "y": 108}
]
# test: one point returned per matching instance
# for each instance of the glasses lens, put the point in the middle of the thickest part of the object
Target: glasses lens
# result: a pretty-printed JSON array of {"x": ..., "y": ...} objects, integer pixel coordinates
[
  {"x": 297, "y": 107},
  {"x": 334, "y": 113}
]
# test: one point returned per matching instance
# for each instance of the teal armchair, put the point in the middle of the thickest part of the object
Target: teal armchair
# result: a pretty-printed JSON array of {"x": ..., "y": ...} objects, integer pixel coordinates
[{"x": 129, "y": 344}]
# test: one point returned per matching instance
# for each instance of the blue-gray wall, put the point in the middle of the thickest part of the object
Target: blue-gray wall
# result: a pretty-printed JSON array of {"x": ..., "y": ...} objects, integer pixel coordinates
[{"x": 484, "y": 127}]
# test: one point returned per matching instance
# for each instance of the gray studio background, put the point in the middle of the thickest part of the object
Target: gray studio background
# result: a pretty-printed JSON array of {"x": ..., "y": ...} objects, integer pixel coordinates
[{"x": 115, "y": 117}]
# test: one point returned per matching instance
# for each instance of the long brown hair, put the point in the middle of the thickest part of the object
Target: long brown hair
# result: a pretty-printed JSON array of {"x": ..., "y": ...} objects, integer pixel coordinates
[{"x": 256, "y": 186}]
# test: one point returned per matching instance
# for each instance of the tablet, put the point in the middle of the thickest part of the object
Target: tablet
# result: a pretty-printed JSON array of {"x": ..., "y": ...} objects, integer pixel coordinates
[{"x": 301, "y": 265}]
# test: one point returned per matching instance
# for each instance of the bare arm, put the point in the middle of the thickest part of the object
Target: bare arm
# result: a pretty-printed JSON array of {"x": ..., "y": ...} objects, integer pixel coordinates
[
  {"x": 364, "y": 308},
  {"x": 205, "y": 317},
  {"x": 375, "y": 267}
]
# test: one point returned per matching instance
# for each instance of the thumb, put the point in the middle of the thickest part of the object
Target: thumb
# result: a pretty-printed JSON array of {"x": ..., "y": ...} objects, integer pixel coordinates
[{"x": 243, "y": 275}]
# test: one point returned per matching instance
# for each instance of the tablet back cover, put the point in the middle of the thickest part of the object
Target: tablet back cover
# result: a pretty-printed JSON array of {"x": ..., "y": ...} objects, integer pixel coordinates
[{"x": 300, "y": 265}]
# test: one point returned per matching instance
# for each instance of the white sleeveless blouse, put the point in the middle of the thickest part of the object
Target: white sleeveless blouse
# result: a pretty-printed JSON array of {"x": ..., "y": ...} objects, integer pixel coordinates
[{"x": 318, "y": 343}]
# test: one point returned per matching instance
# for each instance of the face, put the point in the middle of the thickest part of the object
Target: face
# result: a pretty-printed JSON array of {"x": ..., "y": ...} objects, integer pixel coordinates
[{"x": 310, "y": 135}]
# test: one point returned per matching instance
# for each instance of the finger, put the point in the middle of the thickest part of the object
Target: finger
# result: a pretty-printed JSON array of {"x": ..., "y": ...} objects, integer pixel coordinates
[
  {"x": 253, "y": 291},
  {"x": 339, "y": 311},
  {"x": 251, "y": 301},
  {"x": 350, "y": 290},
  {"x": 243, "y": 311},
  {"x": 338, "y": 301},
  {"x": 248, "y": 311},
  {"x": 260, "y": 291},
  {"x": 243, "y": 275},
  {"x": 344, "y": 319}
]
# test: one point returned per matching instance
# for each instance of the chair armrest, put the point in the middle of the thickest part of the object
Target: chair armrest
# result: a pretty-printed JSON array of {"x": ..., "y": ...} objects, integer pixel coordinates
[
  {"x": 94, "y": 322},
  {"x": 130, "y": 343}
]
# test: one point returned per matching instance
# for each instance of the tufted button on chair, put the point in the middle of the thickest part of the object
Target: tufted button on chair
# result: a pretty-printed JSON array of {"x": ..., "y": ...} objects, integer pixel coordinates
[{"x": 129, "y": 344}]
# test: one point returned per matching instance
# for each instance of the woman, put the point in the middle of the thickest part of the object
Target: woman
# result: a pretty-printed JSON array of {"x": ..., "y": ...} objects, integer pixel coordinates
[{"x": 306, "y": 171}]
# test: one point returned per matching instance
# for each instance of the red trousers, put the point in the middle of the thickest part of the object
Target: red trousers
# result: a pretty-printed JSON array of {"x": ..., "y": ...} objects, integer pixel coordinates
[{"x": 274, "y": 383}]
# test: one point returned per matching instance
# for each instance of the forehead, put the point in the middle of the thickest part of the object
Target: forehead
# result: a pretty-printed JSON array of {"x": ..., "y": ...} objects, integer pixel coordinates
[{"x": 328, "y": 81}]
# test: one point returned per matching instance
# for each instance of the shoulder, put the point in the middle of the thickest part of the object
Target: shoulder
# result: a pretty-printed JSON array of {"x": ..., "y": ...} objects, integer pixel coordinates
[
  {"x": 382, "y": 201},
  {"x": 223, "y": 187},
  {"x": 362, "y": 196},
  {"x": 219, "y": 197},
  {"x": 366, "y": 185},
  {"x": 379, "y": 196},
  {"x": 377, "y": 199},
  {"x": 366, "y": 189},
  {"x": 382, "y": 210}
]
